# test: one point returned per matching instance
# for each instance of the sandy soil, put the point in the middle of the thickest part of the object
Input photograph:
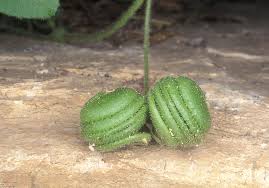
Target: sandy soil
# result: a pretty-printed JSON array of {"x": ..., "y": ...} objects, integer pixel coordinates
[{"x": 43, "y": 86}]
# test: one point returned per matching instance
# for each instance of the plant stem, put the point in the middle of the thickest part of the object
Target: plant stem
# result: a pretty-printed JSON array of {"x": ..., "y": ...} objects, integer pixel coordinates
[
  {"x": 147, "y": 44},
  {"x": 106, "y": 33},
  {"x": 93, "y": 37}
]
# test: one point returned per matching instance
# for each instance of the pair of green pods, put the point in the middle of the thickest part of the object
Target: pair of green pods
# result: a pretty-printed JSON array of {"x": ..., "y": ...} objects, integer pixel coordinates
[{"x": 177, "y": 109}]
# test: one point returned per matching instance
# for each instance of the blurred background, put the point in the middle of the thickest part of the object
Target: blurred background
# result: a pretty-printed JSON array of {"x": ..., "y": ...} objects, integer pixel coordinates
[{"x": 88, "y": 16}]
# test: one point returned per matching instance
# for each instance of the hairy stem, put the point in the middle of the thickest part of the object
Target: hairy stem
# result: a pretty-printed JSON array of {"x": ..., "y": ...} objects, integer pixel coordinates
[{"x": 146, "y": 45}]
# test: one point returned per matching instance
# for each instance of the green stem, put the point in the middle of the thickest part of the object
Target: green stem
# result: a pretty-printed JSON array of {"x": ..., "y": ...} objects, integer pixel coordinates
[
  {"x": 139, "y": 138},
  {"x": 95, "y": 37},
  {"x": 122, "y": 21},
  {"x": 146, "y": 45}
]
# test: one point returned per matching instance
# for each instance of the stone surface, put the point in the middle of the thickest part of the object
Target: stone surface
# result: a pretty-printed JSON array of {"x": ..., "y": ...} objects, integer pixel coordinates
[{"x": 44, "y": 85}]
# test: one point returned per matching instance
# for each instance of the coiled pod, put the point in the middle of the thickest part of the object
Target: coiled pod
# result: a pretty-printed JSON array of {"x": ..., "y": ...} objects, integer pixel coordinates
[
  {"x": 113, "y": 120},
  {"x": 179, "y": 112}
]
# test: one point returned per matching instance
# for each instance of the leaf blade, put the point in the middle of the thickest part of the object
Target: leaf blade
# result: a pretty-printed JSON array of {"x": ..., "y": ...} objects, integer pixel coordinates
[{"x": 40, "y": 9}]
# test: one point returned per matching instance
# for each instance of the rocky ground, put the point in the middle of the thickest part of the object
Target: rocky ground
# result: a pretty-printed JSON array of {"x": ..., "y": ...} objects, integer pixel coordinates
[{"x": 43, "y": 86}]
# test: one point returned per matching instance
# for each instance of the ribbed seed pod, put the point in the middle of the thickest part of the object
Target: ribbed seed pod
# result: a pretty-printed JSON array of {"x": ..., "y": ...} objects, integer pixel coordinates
[
  {"x": 113, "y": 120},
  {"x": 179, "y": 112}
]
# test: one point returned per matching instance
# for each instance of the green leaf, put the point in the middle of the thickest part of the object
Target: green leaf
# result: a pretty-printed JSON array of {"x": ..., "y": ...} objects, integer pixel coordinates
[{"x": 41, "y": 9}]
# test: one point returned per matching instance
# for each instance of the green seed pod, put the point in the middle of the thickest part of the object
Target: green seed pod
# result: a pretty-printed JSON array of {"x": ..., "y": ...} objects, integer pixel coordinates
[
  {"x": 179, "y": 112},
  {"x": 113, "y": 120}
]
